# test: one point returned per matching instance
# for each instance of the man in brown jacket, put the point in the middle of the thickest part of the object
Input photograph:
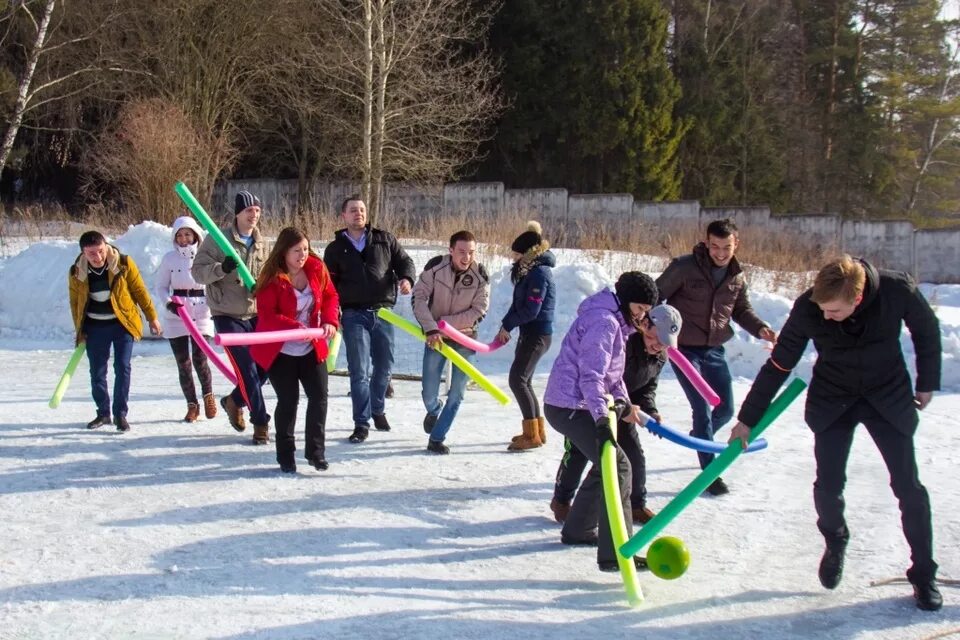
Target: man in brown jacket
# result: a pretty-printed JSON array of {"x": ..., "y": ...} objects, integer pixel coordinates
[
  {"x": 709, "y": 289},
  {"x": 454, "y": 288}
]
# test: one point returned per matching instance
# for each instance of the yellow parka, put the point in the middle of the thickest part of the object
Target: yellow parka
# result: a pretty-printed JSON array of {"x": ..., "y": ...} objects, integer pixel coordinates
[{"x": 127, "y": 292}]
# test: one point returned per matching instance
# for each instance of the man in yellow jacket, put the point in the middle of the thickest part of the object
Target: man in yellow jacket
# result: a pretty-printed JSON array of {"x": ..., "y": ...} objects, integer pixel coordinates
[{"x": 107, "y": 295}]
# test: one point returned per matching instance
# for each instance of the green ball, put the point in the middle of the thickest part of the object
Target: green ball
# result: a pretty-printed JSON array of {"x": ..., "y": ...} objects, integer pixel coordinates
[{"x": 668, "y": 558}]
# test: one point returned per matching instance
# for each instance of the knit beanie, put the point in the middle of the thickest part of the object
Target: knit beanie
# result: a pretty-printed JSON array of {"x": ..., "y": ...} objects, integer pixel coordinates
[
  {"x": 245, "y": 199},
  {"x": 635, "y": 286},
  {"x": 529, "y": 238}
]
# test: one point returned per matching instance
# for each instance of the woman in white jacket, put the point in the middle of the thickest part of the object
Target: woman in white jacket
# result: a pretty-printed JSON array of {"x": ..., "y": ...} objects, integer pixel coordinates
[{"x": 174, "y": 279}]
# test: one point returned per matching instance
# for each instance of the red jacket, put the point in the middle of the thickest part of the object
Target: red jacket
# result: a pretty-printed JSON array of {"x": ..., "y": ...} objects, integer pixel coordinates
[{"x": 277, "y": 310}]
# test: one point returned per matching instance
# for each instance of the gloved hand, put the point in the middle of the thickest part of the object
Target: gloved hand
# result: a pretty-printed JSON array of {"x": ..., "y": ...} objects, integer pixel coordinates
[
  {"x": 620, "y": 407},
  {"x": 604, "y": 435},
  {"x": 173, "y": 306},
  {"x": 228, "y": 264}
]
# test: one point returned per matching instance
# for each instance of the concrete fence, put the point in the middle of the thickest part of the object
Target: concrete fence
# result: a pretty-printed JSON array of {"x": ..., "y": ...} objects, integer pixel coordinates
[{"x": 930, "y": 255}]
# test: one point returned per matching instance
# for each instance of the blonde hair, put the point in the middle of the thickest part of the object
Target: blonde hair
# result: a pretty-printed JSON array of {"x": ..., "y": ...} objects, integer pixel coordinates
[{"x": 841, "y": 279}]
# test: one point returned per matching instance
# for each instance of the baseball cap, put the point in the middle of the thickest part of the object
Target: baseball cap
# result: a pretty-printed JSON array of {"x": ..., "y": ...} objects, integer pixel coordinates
[{"x": 666, "y": 320}]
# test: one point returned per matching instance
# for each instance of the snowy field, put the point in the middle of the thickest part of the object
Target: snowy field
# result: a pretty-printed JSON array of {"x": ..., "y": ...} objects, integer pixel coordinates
[{"x": 188, "y": 531}]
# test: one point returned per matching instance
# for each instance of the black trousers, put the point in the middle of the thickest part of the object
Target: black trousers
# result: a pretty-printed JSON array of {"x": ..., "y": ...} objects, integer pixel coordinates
[
  {"x": 832, "y": 449},
  {"x": 530, "y": 348},
  {"x": 574, "y": 462},
  {"x": 286, "y": 374},
  {"x": 182, "y": 348}
]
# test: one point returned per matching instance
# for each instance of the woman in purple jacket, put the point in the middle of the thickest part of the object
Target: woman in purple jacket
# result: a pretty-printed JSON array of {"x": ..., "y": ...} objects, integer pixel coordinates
[{"x": 588, "y": 368}]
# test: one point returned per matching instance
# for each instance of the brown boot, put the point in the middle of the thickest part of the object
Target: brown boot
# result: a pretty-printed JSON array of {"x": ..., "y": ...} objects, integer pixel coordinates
[
  {"x": 642, "y": 515},
  {"x": 193, "y": 412},
  {"x": 530, "y": 438},
  {"x": 560, "y": 510},
  {"x": 209, "y": 406},
  {"x": 542, "y": 429},
  {"x": 234, "y": 413},
  {"x": 261, "y": 434}
]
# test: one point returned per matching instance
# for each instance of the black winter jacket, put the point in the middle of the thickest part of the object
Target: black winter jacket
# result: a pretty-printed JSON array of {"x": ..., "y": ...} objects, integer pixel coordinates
[
  {"x": 642, "y": 372},
  {"x": 859, "y": 357},
  {"x": 368, "y": 280}
]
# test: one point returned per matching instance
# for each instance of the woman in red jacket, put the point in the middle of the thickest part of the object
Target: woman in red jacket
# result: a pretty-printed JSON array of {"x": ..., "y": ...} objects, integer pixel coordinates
[{"x": 294, "y": 291}]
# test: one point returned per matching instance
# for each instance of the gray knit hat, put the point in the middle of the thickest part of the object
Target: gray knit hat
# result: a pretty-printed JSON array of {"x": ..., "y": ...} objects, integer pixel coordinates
[{"x": 245, "y": 199}]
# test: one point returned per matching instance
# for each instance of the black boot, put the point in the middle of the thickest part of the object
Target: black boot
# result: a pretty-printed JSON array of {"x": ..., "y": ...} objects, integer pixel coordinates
[
  {"x": 609, "y": 566},
  {"x": 98, "y": 422},
  {"x": 927, "y": 595},
  {"x": 831, "y": 565}
]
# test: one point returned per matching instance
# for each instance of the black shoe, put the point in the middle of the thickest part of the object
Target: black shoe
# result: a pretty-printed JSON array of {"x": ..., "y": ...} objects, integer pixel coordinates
[
  {"x": 359, "y": 435},
  {"x": 831, "y": 566},
  {"x": 122, "y": 424},
  {"x": 319, "y": 463},
  {"x": 288, "y": 467},
  {"x": 429, "y": 422},
  {"x": 437, "y": 447},
  {"x": 380, "y": 423},
  {"x": 718, "y": 488},
  {"x": 927, "y": 596},
  {"x": 98, "y": 422},
  {"x": 609, "y": 566},
  {"x": 589, "y": 541}
]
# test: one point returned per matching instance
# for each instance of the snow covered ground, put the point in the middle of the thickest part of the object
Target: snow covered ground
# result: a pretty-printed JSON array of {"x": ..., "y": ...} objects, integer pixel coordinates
[{"x": 188, "y": 531}]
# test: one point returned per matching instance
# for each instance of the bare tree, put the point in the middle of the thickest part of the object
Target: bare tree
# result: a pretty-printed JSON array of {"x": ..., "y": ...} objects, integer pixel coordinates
[{"x": 417, "y": 92}]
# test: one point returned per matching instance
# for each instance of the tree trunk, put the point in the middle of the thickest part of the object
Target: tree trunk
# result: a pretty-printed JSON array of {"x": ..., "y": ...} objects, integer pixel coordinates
[
  {"x": 23, "y": 91},
  {"x": 367, "y": 101},
  {"x": 380, "y": 121}
]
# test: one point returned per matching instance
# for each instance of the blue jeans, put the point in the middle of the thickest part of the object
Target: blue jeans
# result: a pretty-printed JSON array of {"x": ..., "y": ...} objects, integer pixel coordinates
[
  {"x": 433, "y": 363},
  {"x": 99, "y": 339},
  {"x": 250, "y": 376},
  {"x": 712, "y": 365},
  {"x": 367, "y": 338}
]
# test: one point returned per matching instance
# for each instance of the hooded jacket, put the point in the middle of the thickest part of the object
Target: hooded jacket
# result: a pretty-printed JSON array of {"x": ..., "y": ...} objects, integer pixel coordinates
[
  {"x": 858, "y": 358},
  {"x": 127, "y": 293},
  {"x": 460, "y": 298},
  {"x": 534, "y": 293},
  {"x": 590, "y": 364},
  {"x": 174, "y": 274},
  {"x": 277, "y": 310},
  {"x": 226, "y": 293},
  {"x": 687, "y": 285}
]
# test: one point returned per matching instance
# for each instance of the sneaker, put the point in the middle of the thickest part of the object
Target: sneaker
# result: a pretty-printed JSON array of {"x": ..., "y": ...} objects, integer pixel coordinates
[
  {"x": 209, "y": 406},
  {"x": 642, "y": 515},
  {"x": 718, "y": 488},
  {"x": 359, "y": 435},
  {"x": 380, "y": 422},
  {"x": 590, "y": 541},
  {"x": 122, "y": 424},
  {"x": 234, "y": 413},
  {"x": 98, "y": 422},
  {"x": 610, "y": 566},
  {"x": 927, "y": 596},
  {"x": 261, "y": 434},
  {"x": 429, "y": 422},
  {"x": 437, "y": 447},
  {"x": 319, "y": 463},
  {"x": 831, "y": 566},
  {"x": 560, "y": 510},
  {"x": 193, "y": 412}
]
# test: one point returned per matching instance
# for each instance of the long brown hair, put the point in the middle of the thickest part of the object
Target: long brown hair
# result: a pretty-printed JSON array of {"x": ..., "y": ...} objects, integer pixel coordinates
[{"x": 276, "y": 262}]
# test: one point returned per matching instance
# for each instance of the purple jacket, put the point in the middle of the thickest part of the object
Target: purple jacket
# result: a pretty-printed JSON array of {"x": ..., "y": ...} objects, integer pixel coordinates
[{"x": 591, "y": 359}]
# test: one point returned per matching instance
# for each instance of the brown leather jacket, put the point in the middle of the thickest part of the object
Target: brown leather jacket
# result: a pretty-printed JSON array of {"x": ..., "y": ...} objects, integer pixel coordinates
[{"x": 706, "y": 310}]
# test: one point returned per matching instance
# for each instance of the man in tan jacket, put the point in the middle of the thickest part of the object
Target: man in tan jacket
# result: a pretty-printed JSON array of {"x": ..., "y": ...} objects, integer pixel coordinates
[
  {"x": 454, "y": 288},
  {"x": 107, "y": 295}
]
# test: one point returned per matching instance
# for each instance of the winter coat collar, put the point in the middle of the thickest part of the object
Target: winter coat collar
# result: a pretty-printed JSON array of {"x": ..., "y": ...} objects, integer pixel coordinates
[
  {"x": 702, "y": 255},
  {"x": 535, "y": 255}
]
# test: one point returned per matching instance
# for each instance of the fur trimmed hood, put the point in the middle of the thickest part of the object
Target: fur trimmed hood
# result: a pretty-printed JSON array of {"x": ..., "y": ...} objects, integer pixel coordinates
[{"x": 81, "y": 265}]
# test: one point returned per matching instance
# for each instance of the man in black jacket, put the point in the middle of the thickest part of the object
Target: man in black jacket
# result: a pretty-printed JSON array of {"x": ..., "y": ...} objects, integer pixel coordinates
[
  {"x": 367, "y": 266},
  {"x": 854, "y": 314}
]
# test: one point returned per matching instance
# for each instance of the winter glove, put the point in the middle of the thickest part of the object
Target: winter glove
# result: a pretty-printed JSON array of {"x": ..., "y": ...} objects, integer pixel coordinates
[
  {"x": 604, "y": 435},
  {"x": 228, "y": 264},
  {"x": 173, "y": 306},
  {"x": 621, "y": 408}
]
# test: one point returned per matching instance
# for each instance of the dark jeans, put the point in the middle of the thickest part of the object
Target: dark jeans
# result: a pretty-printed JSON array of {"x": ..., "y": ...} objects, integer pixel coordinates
[
  {"x": 287, "y": 373},
  {"x": 832, "y": 448},
  {"x": 712, "y": 365},
  {"x": 100, "y": 337},
  {"x": 530, "y": 348},
  {"x": 181, "y": 348},
  {"x": 574, "y": 462},
  {"x": 250, "y": 377},
  {"x": 367, "y": 339},
  {"x": 589, "y": 510}
]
